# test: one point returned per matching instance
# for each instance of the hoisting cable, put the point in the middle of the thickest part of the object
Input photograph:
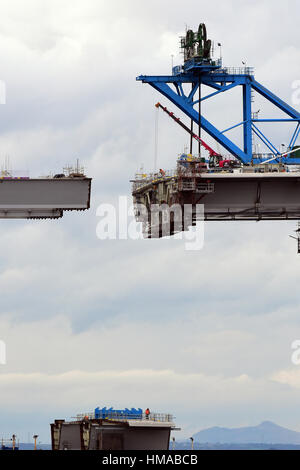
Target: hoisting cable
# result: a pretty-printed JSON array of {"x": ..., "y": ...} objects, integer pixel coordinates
[{"x": 156, "y": 139}]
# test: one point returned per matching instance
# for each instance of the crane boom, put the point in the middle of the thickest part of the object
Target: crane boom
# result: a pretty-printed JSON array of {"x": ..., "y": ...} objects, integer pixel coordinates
[{"x": 211, "y": 151}]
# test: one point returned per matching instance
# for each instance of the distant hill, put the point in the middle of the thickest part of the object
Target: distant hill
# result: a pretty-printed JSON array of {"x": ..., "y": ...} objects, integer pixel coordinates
[
  {"x": 186, "y": 445},
  {"x": 265, "y": 433}
]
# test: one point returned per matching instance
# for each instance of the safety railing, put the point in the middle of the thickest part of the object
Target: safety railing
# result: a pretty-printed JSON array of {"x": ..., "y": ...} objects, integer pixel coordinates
[
  {"x": 186, "y": 173},
  {"x": 236, "y": 70},
  {"x": 179, "y": 69},
  {"x": 185, "y": 185},
  {"x": 205, "y": 188},
  {"x": 157, "y": 417},
  {"x": 142, "y": 180}
]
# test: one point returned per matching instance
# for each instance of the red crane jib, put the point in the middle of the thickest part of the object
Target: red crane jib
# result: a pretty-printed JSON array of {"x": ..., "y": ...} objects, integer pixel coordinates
[{"x": 211, "y": 151}]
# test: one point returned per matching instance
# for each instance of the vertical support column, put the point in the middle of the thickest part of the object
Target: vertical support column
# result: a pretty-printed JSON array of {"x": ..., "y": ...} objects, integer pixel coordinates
[
  {"x": 191, "y": 139},
  {"x": 192, "y": 125},
  {"x": 247, "y": 118},
  {"x": 199, "y": 125}
]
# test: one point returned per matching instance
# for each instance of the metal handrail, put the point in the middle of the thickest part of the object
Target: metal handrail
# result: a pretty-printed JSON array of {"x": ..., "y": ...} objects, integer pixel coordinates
[
  {"x": 157, "y": 417},
  {"x": 235, "y": 70}
]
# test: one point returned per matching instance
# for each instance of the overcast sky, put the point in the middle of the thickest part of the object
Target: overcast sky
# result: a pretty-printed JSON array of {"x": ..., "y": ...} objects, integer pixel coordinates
[{"x": 203, "y": 335}]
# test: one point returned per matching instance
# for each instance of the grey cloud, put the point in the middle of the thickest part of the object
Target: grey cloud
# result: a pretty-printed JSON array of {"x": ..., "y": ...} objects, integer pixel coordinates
[{"x": 206, "y": 318}]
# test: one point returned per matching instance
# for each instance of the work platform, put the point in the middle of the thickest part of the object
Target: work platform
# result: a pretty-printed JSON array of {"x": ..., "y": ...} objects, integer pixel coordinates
[
  {"x": 41, "y": 198},
  {"x": 223, "y": 196},
  {"x": 113, "y": 430}
]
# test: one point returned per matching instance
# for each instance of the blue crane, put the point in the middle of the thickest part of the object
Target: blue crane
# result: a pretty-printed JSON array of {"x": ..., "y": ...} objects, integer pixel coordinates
[{"x": 198, "y": 69}]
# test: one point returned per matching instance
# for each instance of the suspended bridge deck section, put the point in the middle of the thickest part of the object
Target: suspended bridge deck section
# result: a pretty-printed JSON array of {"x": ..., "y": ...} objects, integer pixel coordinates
[
  {"x": 42, "y": 198},
  {"x": 226, "y": 195}
]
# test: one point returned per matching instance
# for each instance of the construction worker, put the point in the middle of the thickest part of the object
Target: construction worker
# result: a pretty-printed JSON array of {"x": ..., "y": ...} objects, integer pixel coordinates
[{"x": 147, "y": 413}]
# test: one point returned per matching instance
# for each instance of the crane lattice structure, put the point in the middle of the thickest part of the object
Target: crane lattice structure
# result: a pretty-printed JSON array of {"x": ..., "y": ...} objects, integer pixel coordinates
[{"x": 200, "y": 69}]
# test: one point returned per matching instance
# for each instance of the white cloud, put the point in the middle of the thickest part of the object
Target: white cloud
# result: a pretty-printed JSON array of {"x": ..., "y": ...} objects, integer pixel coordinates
[{"x": 289, "y": 377}]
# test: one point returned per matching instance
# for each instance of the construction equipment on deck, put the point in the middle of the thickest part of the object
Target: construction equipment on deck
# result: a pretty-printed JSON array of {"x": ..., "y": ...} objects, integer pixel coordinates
[
  {"x": 215, "y": 159},
  {"x": 200, "y": 69},
  {"x": 45, "y": 197},
  {"x": 258, "y": 190}
]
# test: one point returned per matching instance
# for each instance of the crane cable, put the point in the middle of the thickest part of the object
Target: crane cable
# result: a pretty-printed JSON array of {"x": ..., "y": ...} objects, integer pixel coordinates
[{"x": 156, "y": 139}]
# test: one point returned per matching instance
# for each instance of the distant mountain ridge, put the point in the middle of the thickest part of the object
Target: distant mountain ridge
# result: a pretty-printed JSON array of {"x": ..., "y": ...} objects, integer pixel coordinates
[{"x": 265, "y": 433}]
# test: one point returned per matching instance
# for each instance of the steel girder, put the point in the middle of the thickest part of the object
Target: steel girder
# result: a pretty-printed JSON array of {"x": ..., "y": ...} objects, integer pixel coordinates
[{"x": 171, "y": 86}]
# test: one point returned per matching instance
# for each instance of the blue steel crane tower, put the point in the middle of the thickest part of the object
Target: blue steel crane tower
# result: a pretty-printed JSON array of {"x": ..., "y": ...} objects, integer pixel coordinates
[{"x": 199, "y": 68}]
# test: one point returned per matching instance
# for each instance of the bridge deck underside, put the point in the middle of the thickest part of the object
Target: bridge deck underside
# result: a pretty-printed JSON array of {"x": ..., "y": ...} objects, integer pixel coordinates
[
  {"x": 274, "y": 197},
  {"x": 43, "y": 198}
]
